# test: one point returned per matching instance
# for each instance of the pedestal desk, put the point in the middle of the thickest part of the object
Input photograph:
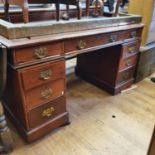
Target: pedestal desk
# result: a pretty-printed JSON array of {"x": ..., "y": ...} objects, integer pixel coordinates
[{"x": 35, "y": 96}]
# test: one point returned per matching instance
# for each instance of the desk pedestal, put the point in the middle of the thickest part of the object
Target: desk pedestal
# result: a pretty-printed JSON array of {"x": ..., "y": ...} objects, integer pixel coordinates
[{"x": 103, "y": 68}]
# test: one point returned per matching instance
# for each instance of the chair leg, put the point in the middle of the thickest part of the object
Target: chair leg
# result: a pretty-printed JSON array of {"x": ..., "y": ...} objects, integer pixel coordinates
[
  {"x": 87, "y": 7},
  {"x": 117, "y": 8},
  {"x": 57, "y": 5},
  {"x": 101, "y": 4},
  {"x": 25, "y": 11},
  {"x": 6, "y": 10},
  {"x": 65, "y": 16},
  {"x": 79, "y": 10},
  {"x": 6, "y": 141},
  {"x": 67, "y": 9}
]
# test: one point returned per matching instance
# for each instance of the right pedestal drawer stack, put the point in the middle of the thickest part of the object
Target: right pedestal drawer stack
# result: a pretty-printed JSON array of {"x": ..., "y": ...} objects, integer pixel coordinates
[
  {"x": 112, "y": 71},
  {"x": 127, "y": 64}
]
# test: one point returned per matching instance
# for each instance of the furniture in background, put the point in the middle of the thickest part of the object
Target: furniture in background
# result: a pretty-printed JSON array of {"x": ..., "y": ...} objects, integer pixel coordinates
[
  {"x": 146, "y": 63},
  {"x": 6, "y": 143},
  {"x": 99, "y": 7},
  {"x": 24, "y": 5},
  {"x": 151, "y": 150}
]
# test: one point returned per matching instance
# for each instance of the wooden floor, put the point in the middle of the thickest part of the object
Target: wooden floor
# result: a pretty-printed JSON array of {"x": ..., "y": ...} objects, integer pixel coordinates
[{"x": 101, "y": 124}]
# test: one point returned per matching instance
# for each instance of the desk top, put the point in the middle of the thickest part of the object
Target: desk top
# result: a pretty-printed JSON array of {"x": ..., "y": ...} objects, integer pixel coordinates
[
  {"x": 51, "y": 38},
  {"x": 19, "y": 30}
]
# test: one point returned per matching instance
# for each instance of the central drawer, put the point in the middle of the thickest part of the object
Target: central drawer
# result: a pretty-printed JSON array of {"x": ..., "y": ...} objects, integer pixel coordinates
[
  {"x": 45, "y": 93},
  {"x": 42, "y": 74},
  {"x": 92, "y": 41}
]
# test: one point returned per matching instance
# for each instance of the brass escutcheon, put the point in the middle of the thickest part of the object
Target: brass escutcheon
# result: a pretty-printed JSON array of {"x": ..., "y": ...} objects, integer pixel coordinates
[
  {"x": 128, "y": 62},
  {"x": 133, "y": 34},
  {"x": 81, "y": 44},
  {"x": 41, "y": 53},
  {"x": 45, "y": 94},
  {"x": 48, "y": 112},
  {"x": 113, "y": 38},
  {"x": 132, "y": 49},
  {"x": 45, "y": 75}
]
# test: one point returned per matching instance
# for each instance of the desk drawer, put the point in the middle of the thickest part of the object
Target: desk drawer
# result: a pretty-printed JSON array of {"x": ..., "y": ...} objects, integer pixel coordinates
[
  {"x": 131, "y": 48},
  {"x": 45, "y": 93},
  {"x": 35, "y": 53},
  {"x": 128, "y": 62},
  {"x": 125, "y": 75},
  {"x": 123, "y": 86},
  {"x": 76, "y": 44},
  {"x": 92, "y": 41},
  {"x": 42, "y": 74},
  {"x": 46, "y": 112}
]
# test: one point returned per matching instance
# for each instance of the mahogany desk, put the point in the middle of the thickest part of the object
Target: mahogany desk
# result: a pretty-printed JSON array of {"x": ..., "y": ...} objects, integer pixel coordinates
[{"x": 35, "y": 96}]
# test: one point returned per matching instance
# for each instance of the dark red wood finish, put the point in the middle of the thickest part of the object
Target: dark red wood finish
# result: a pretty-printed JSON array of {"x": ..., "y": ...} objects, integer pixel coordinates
[{"x": 35, "y": 97}]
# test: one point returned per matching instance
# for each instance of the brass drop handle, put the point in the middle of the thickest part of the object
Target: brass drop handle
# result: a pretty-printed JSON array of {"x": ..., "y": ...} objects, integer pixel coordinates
[
  {"x": 133, "y": 34},
  {"x": 81, "y": 44},
  {"x": 45, "y": 75},
  {"x": 128, "y": 62},
  {"x": 48, "y": 112},
  {"x": 45, "y": 94},
  {"x": 113, "y": 38},
  {"x": 40, "y": 53},
  {"x": 132, "y": 49}
]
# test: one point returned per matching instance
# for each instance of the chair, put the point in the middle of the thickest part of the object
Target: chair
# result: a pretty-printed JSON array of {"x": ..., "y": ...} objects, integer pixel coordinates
[{"x": 24, "y": 5}]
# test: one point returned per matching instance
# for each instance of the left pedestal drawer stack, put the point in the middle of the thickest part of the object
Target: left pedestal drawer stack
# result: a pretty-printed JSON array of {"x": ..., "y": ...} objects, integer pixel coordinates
[{"x": 35, "y": 98}]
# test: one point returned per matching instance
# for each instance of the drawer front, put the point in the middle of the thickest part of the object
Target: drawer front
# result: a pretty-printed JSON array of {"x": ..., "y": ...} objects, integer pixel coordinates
[
  {"x": 130, "y": 49},
  {"x": 128, "y": 62},
  {"x": 45, "y": 93},
  {"x": 35, "y": 53},
  {"x": 46, "y": 112},
  {"x": 125, "y": 75},
  {"x": 92, "y": 41},
  {"x": 73, "y": 45},
  {"x": 85, "y": 42},
  {"x": 42, "y": 74},
  {"x": 134, "y": 33},
  {"x": 124, "y": 86}
]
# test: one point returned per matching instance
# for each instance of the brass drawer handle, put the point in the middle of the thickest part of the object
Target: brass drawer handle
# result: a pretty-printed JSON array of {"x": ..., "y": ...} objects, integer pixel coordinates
[
  {"x": 48, "y": 112},
  {"x": 128, "y": 62},
  {"x": 40, "y": 53},
  {"x": 113, "y": 38},
  {"x": 133, "y": 34},
  {"x": 81, "y": 44},
  {"x": 125, "y": 76},
  {"x": 132, "y": 50},
  {"x": 45, "y": 75},
  {"x": 45, "y": 94}
]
